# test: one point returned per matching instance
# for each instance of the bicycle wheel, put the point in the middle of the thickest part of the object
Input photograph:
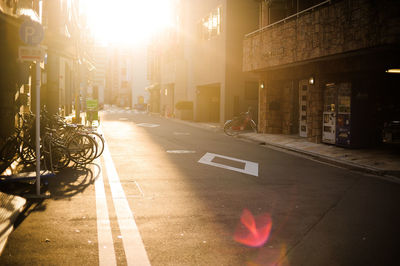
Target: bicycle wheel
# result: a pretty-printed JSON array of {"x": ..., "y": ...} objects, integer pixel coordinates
[
  {"x": 230, "y": 128},
  {"x": 81, "y": 149},
  {"x": 98, "y": 138},
  {"x": 59, "y": 157},
  {"x": 27, "y": 152}
]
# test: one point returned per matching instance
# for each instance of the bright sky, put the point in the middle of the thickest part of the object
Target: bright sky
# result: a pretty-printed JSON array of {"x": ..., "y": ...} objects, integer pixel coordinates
[{"x": 127, "y": 21}]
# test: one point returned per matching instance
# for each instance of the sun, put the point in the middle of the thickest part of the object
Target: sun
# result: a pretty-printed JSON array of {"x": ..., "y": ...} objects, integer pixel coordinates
[{"x": 127, "y": 21}]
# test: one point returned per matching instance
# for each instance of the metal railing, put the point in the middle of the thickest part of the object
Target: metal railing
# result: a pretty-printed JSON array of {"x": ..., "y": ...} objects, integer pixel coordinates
[{"x": 287, "y": 18}]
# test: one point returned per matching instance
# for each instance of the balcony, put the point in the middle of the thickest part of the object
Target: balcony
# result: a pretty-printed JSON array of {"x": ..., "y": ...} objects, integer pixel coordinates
[{"x": 327, "y": 29}]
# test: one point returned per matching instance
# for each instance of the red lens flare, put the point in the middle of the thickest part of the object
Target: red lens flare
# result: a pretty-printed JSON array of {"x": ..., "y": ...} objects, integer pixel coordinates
[{"x": 253, "y": 231}]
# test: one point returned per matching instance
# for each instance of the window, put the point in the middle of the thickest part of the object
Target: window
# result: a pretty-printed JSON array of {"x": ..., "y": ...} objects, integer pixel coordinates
[{"x": 210, "y": 25}]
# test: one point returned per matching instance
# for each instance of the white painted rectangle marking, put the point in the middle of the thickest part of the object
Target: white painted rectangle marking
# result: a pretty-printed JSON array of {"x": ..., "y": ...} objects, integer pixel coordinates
[
  {"x": 147, "y": 125},
  {"x": 250, "y": 168}
]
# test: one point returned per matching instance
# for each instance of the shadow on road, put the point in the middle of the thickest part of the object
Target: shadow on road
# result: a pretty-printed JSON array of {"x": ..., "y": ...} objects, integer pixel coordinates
[
  {"x": 71, "y": 181},
  {"x": 65, "y": 184}
]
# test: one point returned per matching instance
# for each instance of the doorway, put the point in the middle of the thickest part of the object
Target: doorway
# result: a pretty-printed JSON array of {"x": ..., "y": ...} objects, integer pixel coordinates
[{"x": 208, "y": 103}]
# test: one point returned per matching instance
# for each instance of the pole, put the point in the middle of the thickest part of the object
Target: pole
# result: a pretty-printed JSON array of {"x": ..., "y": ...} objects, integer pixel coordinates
[{"x": 38, "y": 127}]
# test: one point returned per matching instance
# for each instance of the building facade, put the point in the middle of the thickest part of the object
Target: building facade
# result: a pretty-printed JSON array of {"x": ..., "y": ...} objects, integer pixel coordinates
[
  {"x": 100, "y": 61},
  {"x": 61, "y": 68},
  {"x": 139, "y": 76},
  {"x": 323, "y": 68},
  {"x": 120, "y": 69},
  {"x": 200, "y": 60},
  {"x": 218, "y": 85},
  {"x": 62, "y": 39},
  {"x": 16, "y": 86}
]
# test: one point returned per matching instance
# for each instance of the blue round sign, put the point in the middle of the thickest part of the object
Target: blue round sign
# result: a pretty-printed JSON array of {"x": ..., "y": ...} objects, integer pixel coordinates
[{"x": 31, "y": 32}]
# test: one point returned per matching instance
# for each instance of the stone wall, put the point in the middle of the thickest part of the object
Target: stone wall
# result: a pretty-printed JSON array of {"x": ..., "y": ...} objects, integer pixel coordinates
[
  {"x": 276, "y": 108},
  {"x": 274, "y": 114},
  {"x": 315, "y": 111},
  {"x": 262, "y": 114},
  {"x": 279, "y": 104},
  {"x": 344, "y": 26},
  {"x": 287, "y": 108}
]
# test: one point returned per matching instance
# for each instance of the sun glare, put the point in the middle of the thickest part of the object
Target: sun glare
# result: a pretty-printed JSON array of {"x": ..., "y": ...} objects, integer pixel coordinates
[{"x": 126, "y": 21}]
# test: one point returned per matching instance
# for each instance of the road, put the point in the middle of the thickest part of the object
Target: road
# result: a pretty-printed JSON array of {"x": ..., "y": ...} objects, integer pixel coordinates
[{"x": 167, "y": 193}]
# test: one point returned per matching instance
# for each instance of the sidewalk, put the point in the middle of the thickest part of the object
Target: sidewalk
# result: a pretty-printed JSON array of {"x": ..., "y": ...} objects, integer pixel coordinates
[
  {"x": 383, "y": 161},
  {"x": 11, "y": 206}
]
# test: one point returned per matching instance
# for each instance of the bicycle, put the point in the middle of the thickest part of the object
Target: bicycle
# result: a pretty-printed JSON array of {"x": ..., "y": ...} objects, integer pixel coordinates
[
  {"x": 20, "y": 143},
  {"x": 240, "y": 124},
  {"x": 83, "y": 144},
  {"x": 56, "y": 156}
]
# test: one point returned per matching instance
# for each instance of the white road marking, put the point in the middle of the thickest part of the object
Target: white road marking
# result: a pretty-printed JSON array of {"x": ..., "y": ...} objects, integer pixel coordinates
[
  {"x": 250, "y": 168},
  {"x": 140, "y": 189},
  {"x": 182, "y": 133},
  {"x": 180, "y": 151},
  {"x": 133, "y": 245},
  {"x": 147, "y": 125},
  {"x": 104, "y": 235}
]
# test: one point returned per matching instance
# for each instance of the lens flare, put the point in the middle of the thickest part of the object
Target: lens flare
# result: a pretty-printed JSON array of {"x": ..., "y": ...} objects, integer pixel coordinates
[{"x": 253, "y": 231}]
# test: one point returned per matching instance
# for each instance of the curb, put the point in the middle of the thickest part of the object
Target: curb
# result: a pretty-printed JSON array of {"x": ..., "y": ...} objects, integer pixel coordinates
[
  {"x": 10, "y": 207},
  {"x": 327, "y": 159}
]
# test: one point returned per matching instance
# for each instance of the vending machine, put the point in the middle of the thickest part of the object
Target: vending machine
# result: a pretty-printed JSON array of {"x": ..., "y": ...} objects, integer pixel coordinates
[
  {"x": 343, "y": 122},
  {"x": 336, "y": 128},
  {"x": 329, "y": 114}
]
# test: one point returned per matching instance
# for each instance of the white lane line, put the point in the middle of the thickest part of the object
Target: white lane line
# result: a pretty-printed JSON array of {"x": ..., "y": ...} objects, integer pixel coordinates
[
  {"x": 104, "y": 235},
  {"x": 250, "y": 168},
  {"x": 180, "y": 151},
  {"x": 132, "y": 241}
]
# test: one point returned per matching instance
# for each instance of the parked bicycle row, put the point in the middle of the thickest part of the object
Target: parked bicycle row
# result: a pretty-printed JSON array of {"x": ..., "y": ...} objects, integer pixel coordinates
[{"x": 62, "y": 144}]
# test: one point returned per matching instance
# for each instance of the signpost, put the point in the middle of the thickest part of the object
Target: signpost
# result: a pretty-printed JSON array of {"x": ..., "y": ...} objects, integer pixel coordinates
[{"x": 32, "y": 34}]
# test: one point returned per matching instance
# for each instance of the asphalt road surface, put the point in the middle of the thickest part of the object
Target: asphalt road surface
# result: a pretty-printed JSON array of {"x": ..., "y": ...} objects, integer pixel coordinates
[{"x": 168, "y": 193}]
